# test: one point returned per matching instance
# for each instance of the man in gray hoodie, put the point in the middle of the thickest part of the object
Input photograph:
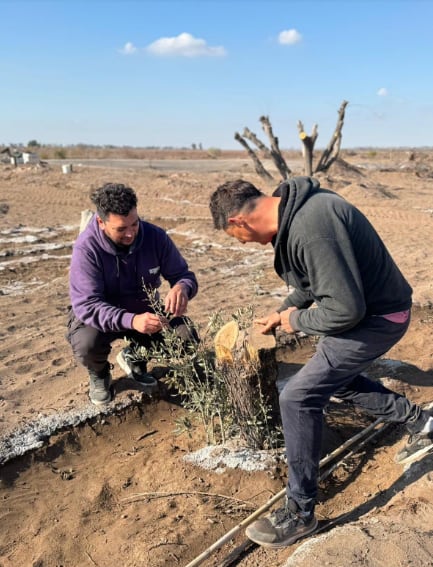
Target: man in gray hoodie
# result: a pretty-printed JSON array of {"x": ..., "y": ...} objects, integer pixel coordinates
[
  {"x": 331, "y": 256},
  {"x": 116, "y": 269}
]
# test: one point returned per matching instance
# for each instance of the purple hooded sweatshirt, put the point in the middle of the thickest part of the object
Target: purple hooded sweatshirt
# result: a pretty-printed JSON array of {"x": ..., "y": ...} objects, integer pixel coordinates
[{"x": 107, "y": 284}]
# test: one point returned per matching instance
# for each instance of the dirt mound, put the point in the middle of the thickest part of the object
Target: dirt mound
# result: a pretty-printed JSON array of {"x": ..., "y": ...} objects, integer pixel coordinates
[{"x": 398, "y": 533}]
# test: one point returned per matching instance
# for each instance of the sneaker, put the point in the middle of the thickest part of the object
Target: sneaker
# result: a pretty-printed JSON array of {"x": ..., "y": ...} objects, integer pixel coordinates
[
  {"x": 100, "y": 387},
  {"x": 282, "y": 528},
  {"x": 418, "y": 444},
  {"x": 136, "y": 370}
]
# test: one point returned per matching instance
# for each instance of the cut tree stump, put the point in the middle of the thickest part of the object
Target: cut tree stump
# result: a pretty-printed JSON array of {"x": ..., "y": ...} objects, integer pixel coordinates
[
  {"x": 249, "y": 367},
  {"x": 225, "y": 341},
  {"x": 261, "y": 349}
]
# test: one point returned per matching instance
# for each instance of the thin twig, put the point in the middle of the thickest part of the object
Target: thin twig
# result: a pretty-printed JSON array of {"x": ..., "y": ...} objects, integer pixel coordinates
[
  {"x": 161, "y": 543},
  {"x": 144, "y": 495}
]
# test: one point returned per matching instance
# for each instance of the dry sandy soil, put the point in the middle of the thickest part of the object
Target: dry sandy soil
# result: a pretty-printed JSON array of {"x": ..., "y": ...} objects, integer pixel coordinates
[{"x": 116, "y": 488}]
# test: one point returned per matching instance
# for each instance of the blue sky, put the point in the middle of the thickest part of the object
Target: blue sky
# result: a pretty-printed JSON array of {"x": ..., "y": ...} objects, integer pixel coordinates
[{"x": 179, "y": 72}]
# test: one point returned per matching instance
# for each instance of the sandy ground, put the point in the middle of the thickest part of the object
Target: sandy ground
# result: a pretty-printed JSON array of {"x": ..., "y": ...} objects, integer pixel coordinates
[{"x": 117, "y": 489}]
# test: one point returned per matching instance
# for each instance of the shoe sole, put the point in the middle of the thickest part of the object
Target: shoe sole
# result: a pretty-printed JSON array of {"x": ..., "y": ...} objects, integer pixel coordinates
[
  {"x": 99, "y": 403},
  {"x": 122, "y": 363},
  {"x": 286, "y": 542},
  {"x": 105, "y": 402},
  {"x": 415, "y": 456}
]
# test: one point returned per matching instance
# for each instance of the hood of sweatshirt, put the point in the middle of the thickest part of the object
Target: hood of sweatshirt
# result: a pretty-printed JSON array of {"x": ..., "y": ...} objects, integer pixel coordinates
[{"x": 293, "y": 193}]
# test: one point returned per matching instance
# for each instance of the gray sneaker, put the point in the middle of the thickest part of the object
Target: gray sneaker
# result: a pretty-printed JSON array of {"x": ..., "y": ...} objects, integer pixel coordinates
[
  {"x": 418, "y": 444},
  {"x": 135, "y": 369},
  {"x": 100, "y": 387},
  {"x": 283, "y": 527}
]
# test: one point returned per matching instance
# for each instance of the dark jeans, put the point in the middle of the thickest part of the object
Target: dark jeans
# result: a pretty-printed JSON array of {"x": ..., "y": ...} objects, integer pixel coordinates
[
  {"x": 335, "y": 370},
  {"x": 91, "y": 347}
]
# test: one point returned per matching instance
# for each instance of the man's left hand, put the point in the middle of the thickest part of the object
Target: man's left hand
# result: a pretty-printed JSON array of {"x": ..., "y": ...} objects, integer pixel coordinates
[
  {"x": 176, "y": 301},
  {"x": 276, "y": 319}
]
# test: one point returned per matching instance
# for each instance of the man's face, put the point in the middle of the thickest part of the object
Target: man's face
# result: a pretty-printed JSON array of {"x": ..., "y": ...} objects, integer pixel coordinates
[
  {"x": 121, "y": 230},
  {"x": 244, "y": 232}
]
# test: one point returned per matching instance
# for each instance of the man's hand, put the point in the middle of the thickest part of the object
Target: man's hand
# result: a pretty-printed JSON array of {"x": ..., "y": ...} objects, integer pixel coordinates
[
  {"x": 285, "y": 322},
  {"x": 269, "y": 322},
  {"x": 148, "y": 323},
  {"x": 275, "y": 320},
  {"x": 176, "y": 301}
]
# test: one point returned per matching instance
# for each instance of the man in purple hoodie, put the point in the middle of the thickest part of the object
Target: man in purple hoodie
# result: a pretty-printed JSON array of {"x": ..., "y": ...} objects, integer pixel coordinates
[{"x": 116, "y": 269}]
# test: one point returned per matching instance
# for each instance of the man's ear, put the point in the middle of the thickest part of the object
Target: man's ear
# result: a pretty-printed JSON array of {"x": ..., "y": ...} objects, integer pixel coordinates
[
  {"x": 99, "y": 221},
  {"x": 237, "y": 220}
]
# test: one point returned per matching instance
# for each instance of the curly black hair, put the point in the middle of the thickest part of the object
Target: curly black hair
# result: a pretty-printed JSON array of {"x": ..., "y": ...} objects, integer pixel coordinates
[{"x": 113, "y": 198}]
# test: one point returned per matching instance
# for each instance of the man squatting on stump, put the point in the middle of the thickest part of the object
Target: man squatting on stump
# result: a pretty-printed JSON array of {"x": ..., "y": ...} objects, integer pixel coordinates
[
  {"x": 327, "y": 250},
  {"x": 117, "y": 264}
]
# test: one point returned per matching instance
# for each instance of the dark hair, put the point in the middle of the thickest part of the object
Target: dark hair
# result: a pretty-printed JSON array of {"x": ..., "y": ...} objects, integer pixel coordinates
[
  {"x": 231, "y": 198},
  {"x": 113, "y": 198}
]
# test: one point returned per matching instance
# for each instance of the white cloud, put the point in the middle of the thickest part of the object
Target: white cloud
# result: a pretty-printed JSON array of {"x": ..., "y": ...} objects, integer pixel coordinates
[
  {"x": 289, "y": 37},
  {"x": 128, "y": 49},
  {"x": 184, "y": 45},
  {"x": 382, "y": 92}
]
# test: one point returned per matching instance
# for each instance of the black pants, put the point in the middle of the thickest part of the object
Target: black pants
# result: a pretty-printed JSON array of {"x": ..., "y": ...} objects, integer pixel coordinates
[
  {"x": 335, "y": 370},
  {"x": 91, "y": 347}
]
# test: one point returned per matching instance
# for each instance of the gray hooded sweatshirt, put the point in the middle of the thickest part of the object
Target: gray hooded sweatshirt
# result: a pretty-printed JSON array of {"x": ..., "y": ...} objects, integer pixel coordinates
[{"x": 329, "y": 252}]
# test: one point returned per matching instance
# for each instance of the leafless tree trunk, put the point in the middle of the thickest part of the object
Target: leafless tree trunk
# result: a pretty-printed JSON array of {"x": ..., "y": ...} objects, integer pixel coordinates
[
  {"x": 307, "y": 147},
  {"x": 329, "y": 155},
  {"x": 253, "y": 138},
  {"x": 272, "y": 153},
  {"x": 331, "y": 152},
  {"x": 279, "y": 161},
  {"x": 260, "y": 170}
]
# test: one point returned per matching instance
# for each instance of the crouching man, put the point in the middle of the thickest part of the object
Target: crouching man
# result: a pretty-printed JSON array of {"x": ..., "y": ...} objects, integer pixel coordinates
[{"x": 116, "y": 269}]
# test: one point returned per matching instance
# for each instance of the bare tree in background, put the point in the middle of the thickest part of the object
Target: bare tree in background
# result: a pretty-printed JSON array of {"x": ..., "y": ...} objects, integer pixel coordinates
[
  {"x": 328, "y": 157},
  {"x": 307, "y": 146}
]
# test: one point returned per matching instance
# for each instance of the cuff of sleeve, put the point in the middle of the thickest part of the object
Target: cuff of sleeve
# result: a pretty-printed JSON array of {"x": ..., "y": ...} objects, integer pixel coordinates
[
  {"x": 293, "y": 319},
  {"x": 188, "y": 286},
  {"x": 284, "y": 306},
  {"x": 127, "y": 320}
]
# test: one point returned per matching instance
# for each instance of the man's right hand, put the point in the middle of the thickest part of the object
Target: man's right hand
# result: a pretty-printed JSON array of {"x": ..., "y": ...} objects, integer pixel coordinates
[{"x": 148, "y": 323}]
